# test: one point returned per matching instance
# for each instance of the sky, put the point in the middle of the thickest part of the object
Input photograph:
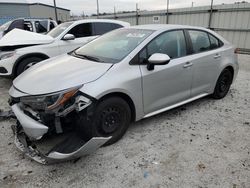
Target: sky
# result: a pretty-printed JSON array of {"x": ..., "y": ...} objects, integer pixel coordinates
[{"x": 77, "y": 7}]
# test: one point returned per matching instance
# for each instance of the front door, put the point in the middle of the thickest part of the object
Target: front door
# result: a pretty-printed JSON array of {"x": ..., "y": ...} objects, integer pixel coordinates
[
  {"x": 168, "y": 84},
  {"x": 83, "y": 34}
]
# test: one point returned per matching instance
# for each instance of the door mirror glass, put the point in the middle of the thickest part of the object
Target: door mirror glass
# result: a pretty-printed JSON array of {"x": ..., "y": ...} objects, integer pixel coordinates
[
  {"x": 69, "y": 37},
  {"x": 159, "y": 59}
]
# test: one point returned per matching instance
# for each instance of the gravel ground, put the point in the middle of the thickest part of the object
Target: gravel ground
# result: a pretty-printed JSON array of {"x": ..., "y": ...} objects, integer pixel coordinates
[{"x": 203, "y": 144}]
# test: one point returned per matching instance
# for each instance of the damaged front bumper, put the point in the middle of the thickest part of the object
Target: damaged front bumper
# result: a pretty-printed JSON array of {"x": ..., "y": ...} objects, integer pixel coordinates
[
  {"x": 32, "y": 135},
  {"x": 56, "y": 154}
]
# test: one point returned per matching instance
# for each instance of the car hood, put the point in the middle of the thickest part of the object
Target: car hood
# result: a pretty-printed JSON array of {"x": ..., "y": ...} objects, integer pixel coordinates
[
  {"x": 22, "y": 37},
  {"x": 59, "y": 74}
]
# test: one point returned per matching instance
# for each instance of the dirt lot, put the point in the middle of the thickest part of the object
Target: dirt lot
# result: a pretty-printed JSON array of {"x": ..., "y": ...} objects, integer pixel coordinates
[{"x": 202, "y": 144}]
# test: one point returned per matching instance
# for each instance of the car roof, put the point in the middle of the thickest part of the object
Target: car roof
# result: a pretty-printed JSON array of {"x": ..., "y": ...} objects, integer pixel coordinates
[
  {"x": 101, "y": 20},
  {"x": 159, "y": 27}
]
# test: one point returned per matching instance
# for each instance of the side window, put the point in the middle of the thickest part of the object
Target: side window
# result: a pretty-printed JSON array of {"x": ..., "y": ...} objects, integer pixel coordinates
[
  {"x": 28, "y": 26},
  {"x": 19, "y": 24},
  {"x": 171, "y": 43},
  {"x": 101, "y": 28},
  {"x": 215, "y": 43},
  {"x": 81, "y": 30},
  {"x": 41, "y": 26},
  {"x": 51, "y": 25},
  {"x": 200, "y": 41}
]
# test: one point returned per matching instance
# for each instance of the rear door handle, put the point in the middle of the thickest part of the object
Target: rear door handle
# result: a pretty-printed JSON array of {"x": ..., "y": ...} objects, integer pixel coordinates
[
  {"x": 217, "y": 56},
  {"x": 188, "y": 64}
]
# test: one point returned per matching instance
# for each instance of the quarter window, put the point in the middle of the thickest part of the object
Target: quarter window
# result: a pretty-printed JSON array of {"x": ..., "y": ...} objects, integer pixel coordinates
[
  {"x": 116, "y": 26},
  {"x": 82, "y": 30},
  {"x": 215, "y": 43},
  {"x": 200, "y": 41}
]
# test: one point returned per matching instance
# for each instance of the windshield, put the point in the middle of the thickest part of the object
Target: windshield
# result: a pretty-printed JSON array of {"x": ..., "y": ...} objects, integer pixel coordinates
[
  {"x": 114, "y": 46},
  {"x": 59, "y": 29},
  {"x": 5, "y": 26}
]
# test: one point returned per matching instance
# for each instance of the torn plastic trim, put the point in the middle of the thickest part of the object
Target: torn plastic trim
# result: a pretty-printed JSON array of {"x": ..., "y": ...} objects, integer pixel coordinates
[
  {"x": 32, "y": 128},
  {"x": 6, "y": 115},
  {"x": 54, "y": 156}
]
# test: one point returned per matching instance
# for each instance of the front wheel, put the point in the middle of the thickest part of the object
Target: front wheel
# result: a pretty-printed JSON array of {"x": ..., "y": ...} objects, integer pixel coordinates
[
  {"x": 111, "y": 117},
  {"x": 223, "y": 84},
  {"x": 26, "y": 64}
]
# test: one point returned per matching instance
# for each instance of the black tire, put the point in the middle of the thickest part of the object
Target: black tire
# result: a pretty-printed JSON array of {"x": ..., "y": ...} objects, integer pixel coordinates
[
  {"x": 223, "y": 84},
  {"x": 111, "y": 117},
  {"x": 22, "y": 66}
]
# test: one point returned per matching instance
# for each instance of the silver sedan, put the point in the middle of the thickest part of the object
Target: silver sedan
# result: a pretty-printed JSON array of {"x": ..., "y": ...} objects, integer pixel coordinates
[{"x": 93, "y": 93}]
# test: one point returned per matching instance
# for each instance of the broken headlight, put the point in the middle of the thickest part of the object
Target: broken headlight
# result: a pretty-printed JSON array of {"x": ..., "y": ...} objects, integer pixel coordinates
[{"x": 49, "y": 102}]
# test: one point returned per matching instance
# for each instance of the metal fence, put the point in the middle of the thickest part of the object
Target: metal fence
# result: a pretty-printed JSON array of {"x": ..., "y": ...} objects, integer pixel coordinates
[{"x": 231, "y": 21}]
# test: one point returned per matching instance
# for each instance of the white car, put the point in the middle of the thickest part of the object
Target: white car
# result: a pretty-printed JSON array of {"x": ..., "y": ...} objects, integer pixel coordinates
[
  {"x": 28, "y": 24},
  {"x": 21, "y": 49}
]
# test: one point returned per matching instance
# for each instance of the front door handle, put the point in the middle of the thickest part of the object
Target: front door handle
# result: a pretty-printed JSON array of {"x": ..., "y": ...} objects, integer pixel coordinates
[
  {"x": 217, "y": 56},
  {"x": 188, "y": 64}
]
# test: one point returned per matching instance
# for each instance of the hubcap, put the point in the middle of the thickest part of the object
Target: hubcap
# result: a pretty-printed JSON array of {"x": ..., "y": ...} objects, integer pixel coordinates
[
  {"x": 110, "y": 120},
  {"x": 224, "y": 83}
]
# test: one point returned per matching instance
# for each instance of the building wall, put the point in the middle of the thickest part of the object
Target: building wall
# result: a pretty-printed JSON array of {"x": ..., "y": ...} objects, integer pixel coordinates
[
  {"x": 40, "y": 11},
  {"x": 232, "y": 21},
  {"x": 14, "y": 10}
]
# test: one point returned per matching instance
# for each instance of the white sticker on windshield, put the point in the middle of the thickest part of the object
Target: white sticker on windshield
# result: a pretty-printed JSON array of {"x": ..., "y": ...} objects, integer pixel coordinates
[{"x": 136, "y": 35}]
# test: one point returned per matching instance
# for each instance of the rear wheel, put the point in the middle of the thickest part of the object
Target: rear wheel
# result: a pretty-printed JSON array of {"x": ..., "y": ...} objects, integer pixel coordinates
[
  {"x": 111, "y": 118},
  {"x": 26, "y": 64},
  {"x": 223, "y": 84}
]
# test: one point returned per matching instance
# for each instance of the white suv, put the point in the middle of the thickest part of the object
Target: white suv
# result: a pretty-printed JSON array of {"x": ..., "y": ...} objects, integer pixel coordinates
[{"x": 21, "y": 49}]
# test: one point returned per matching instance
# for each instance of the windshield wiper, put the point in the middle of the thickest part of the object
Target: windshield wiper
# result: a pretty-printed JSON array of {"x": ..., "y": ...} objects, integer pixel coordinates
[{"x": 88, "y": 57}]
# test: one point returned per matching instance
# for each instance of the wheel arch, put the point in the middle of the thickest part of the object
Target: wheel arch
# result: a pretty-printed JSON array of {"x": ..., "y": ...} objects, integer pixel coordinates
[
  {"x": 230, "y": 68},
  {"x": 125, "y": 97},
  {"x": 20, "y": 59}
]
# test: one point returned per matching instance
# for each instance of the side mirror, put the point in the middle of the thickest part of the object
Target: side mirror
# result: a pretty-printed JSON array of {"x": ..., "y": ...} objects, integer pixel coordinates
[
  {"x": 157, "y": 59},
  {"x": 69, "y": 37}
]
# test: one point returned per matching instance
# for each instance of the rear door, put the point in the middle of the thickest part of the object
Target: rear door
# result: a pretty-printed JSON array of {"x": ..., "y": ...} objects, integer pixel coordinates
[
  {"x": 168, "y": 84},
  {"x": 83, "y": 34},
  {"x": 206, "y": 60}
]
